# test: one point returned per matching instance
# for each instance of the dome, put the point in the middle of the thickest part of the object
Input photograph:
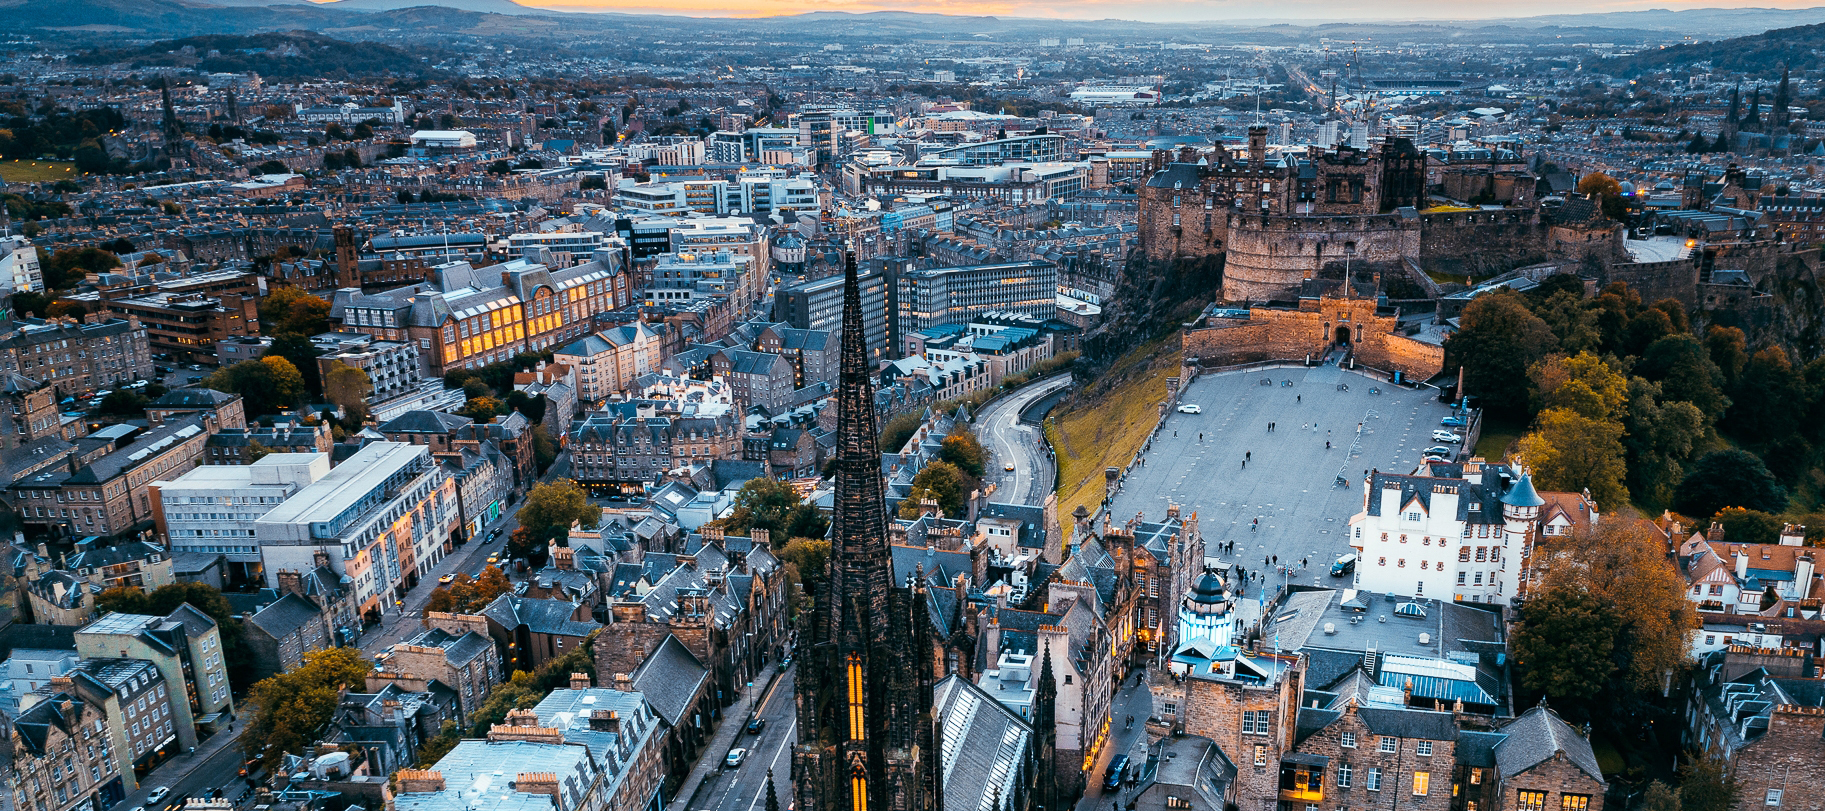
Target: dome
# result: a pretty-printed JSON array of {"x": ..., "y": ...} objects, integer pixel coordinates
[
  {"x": 1208, "y": 595},
  {"x": 1522, "y": 494}
]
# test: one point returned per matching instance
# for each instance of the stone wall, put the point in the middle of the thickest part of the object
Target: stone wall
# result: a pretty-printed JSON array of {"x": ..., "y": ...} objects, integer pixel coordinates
[
  {"x": 1295, "y": 334},
  {"x": 1268, "y": 257},
  {"x": 1212, "y": 708},
  {"x": 1675, "y": 279},
  {"x": 1397, "y": 772},
  {"x": 1480, "y": 241},
  {"x": 1557, "y": 776},
  {"x": 1789, "y": 758}
]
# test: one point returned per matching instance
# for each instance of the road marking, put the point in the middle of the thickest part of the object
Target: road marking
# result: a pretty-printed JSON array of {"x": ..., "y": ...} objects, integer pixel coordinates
[{"x": 780, "y": 750}]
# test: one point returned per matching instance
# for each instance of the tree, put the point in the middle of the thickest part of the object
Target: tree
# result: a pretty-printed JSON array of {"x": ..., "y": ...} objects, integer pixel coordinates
[
  {"x": 1583, "y": 383},
  {"x": 267, "y": 385},
  {"x": 500, "y": 167},
  {"x": 764, "y": 503},
  {"x": 287, "y": 713},
  {"x": 1683, "y": 368},
  {"x": 1707, "y": 784},
  {"x": 1607, "y": 191},
  {"x": 544, "y": 448},
  {"x": 1659, "y": 797},
  {"x": 942, "y": 482},
  {"x": 963, "y": 450},
  {"x": 123, "y": 402},
  {"x": 1726, "y": 346},
  {"x": 289, "y": 310},
  {"x": 348, "y": 387},
  {"x": 1728, "y": 478},
  {"x": 807, "y": 564},
  {"x": 272, "y": 168},
  {"x": 897, "y": 430},
  {"x": 1769, "y": 393},
  {"x": 1570, "y": 451},
  {"x": 1563, "y": 645},
  {"x": 532, "y": 407},
  {"x": 297, "y": 348},
  {"x": 552, "y": 507},
  {"x": 1574, "y": 326},
  {"x": 1749, "y": 526},
  {"x": 481, "y": 409},
  {"x": 70, "y": 265},
  {"x": 1660, "y": 440},
  {"x": 1498, "y": 340}
]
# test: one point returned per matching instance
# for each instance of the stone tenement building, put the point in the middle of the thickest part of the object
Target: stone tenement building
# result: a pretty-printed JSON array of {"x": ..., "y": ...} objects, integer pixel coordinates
[{"x": 1280, "y": 223}]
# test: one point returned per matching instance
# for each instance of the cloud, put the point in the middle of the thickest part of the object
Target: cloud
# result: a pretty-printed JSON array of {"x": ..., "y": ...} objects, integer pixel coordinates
[{"x": 1194, "y": 10}]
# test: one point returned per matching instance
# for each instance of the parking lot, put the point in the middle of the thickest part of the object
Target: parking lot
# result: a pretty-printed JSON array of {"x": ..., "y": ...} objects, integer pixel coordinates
[{"x": 1290, "y": 482}]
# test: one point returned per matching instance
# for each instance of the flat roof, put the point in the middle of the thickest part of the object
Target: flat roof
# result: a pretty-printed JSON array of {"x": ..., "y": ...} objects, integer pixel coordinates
[{"x": 346, "y": 483}]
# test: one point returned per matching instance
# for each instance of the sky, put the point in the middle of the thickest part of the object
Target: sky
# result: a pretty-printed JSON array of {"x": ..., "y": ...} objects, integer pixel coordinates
[{"x": 1178, "y": 11}]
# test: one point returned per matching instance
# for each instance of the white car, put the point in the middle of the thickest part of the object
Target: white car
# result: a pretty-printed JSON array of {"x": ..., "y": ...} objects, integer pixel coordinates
[
  {"x": 1190, "y": 408},
  {"x": 157, "y": 794},
  {"x": 736, "y": 756},
  {"x": 1446, "y": 436}
]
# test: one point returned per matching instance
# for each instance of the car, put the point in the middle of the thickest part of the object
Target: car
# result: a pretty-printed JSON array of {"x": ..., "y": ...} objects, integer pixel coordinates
[
  {"x": 736, "y": 756},
  {"x": 1446, "y": 436},
  {"x": 1438, "y": 450},
  {"x": 755, "y": 726},
  {"x": 1344, "y": 565},
  {"x": 195, "y": 378},
  {"x": 493, "y": 559},
  {"x": 157, "y": 794},
  {"x": 446, "y": 580},
  {"x": 1009, "y": 467},
  {"x": 1190, "y": 408},
  {"x": 1454, "y": 422},
  {"x": 495, "y": 535},
  {"x": 1118, "y": 769}
]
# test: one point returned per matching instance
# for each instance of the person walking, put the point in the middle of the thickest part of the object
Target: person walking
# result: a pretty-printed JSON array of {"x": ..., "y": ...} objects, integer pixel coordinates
[{"x": 1248, "y": 454}]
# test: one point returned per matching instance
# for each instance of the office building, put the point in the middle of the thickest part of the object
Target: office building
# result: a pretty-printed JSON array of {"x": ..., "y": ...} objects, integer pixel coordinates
[
  {"x": 188, "y": 326},
  {"x": 20, "y": 269},
  {"x": 571, "y": 247},
  {"x": 384, "y": 517},
  {"x": 1029, "y": 148},
  {"x": 391, "y": 366},
  {"x": 110, "y": 495},
  {"x": 211, "y": 510},
  {"x": 818, "y": 305},
  {"x": 932, "y": 297}
]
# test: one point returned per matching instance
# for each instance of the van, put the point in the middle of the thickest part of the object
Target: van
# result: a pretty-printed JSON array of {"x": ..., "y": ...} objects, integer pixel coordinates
[
  {"x": 1344, "y": 565},
  {"x": 1118, "y": 769}
]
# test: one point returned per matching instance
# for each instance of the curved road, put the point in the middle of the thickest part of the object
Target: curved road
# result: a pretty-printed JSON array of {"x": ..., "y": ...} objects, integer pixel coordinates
[{"x": 999, "y": 428}]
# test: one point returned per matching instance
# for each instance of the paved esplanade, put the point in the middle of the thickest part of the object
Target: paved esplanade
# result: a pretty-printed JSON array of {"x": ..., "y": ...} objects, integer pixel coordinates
[{"x": 1290, "y": 482}]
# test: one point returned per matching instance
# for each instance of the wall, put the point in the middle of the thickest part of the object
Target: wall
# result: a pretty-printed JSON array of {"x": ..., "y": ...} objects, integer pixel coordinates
[
  {"x": 1268, "y": 258},
  {"x": 1789, "y": 757},
  {"x": 1287, "y": 334},
  {"x": 1676, "y": 279}
]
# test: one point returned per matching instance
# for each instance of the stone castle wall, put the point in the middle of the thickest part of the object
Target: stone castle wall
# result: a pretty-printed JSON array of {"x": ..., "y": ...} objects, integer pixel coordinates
[
  {"x": 1295, "y": 334},
  {"x": 1268, "y": 257}
]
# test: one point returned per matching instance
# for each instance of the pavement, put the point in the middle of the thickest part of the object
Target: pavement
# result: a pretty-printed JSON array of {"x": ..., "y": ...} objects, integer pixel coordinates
[
  {"x": 1132, "y": 699},
  {"x": 1289, "y": 482},
  {"x": 712, "y": 787},
  {"x": 998, "y": 428}
]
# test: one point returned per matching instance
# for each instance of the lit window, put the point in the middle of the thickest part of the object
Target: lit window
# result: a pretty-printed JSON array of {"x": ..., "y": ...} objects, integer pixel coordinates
[
  {"x": 1422, "y": 783},
  {"x": 1575, "y": 802}
]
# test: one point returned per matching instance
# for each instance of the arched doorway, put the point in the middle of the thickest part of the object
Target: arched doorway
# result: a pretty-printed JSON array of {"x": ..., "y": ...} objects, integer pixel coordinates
[{"x": 1343, "y": 336}]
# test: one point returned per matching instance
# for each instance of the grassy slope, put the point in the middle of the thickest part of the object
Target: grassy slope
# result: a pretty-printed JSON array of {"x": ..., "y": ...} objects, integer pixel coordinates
[
  {"x": 36, "y": 171},
  {"x": 1105, "y": 427}
]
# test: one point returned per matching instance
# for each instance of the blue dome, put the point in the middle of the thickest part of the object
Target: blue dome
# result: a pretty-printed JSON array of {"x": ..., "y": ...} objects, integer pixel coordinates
[{"x": 1522, "y": 494}]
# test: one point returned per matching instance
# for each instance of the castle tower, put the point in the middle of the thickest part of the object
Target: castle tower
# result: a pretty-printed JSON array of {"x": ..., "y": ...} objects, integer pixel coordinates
[
  {"x": 1520, "y": 510},
  {"x": 1257, "y": 146},
  {"x": 864, "y": 693},
  {"x": 347, "y": 270}
]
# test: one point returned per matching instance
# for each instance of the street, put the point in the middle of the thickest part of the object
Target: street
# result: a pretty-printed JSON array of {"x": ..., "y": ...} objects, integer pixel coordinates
[
  {"x": 999, "y": 428},
  {"x": 1133, "y": 699},
  {"x": 744, "y": 788}
]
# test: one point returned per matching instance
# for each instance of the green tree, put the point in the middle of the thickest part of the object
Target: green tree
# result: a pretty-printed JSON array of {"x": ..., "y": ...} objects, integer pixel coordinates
[
  {"x": 71, "y": 265},
  {"x": 297, "y": 348},
  {"x": 1570, "y": 451},
  {"x": 348, "y": 387},
  {"x": 1660, "y": 796},
  {"x": 1574, "y": 326},
  {"x": 1728, "y": 478},
  {"x": 551, "y": 508},
  {"x": 1726, "y": 346},
  {"x": 544, "y": 448},
  {"x": 123, "y": 401},
  {"x": 763, "y": 503},
  {"x": 897, "y": 430},
  {"x": 1768, "y": 395},
  {"x": 1563, "y": 645},
  {"x": 1660, "y": 439},
  {"x": 1499, "y": 338},
  {"x": 1683, "y": 368},
  {"x": 291, "y": 310},
  {"x": 267, "y": 385},
  {"x": 481, "y": 409},
  {"x": 963, "y": 450},
  {"x": 1749, "y": 526},
  {"x": 942, "y": 482},
  {"x": 287, "y": 713},
  {"x": 272, "y": 168}
]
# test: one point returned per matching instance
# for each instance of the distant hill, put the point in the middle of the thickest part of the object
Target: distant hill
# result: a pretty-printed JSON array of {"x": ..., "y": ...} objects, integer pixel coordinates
[
  {"x": 1765, "y": 53},
  {"x": 294, "y": 55},
  {"x": 484, "y": 6},
  {"x": 1702, "y": 22}
]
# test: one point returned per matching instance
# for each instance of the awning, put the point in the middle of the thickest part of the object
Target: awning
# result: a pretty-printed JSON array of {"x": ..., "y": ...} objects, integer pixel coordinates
[{"x": 1304, "y": 759}]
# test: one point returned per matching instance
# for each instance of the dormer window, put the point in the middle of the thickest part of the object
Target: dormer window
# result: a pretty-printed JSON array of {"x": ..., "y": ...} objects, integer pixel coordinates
[{"x": 1413, "y": 516}]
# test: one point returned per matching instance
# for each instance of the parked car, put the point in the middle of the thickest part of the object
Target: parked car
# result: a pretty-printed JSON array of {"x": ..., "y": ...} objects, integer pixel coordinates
[
  {"x": 1118, "y": 769},
  {"x": 1344, "y": 565},
  {"x": 1438, "y": 450},
  {"x": 446, "y": 580},
  {"x": 756, "y": 725},
  {"x": 1446, "y": 436},
  {"x": 157, "y": 794},
  {"x": 1454, "y": 422},
  {"x": 1190, "y": 408},
  {"x": 736, "y": 756},
  {"x": 495, "y": 535}
]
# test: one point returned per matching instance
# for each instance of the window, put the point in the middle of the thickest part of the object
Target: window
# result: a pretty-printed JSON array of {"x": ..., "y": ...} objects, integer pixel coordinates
[
  {"x": 1254, "y": 722},
  {"x": 1347, "y": 739},
  {"x": 1344, "y": 773},
  {"x": 1422, "y": 783},
  {"x": 1530, "y": 800},
  {"x": 1460, "y": 578},
  {"x": 1389, "y": 744},
  {"x": 1773, "y": 798},
  {"x": 1574, "y": 802},
  {"x": 1424, "y": 748},
  {"x": 1372, "y": 780},
  {"x": 1260, "y": 755},
  {"x": 1177, "y": 802},
  {"x": 1476, "y": 777},
  {"x": 1413, "y": 516}
]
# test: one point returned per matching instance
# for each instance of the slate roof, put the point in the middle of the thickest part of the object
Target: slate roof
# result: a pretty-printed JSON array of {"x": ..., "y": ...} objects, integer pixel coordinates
[
  {"x": 981, "y": 746},
  {"x": 112, "y": 555},
  {"x": 1535, "y": 737},
  {"x": 35, "y": 724},
  {"x": 670, "y": 678},
  {"x": 285, "y": 616},
  {"x": 193, "y": 397},
  {"x": 425, "y": 422},
  {"x": 538, "y": 615}
]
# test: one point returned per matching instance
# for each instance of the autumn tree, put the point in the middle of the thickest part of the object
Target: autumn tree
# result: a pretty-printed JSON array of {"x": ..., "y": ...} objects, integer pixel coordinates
[
  {"x": 267, "y": 385},
  {"x": 552, "y": 507},
  {"x": 1707, "y": 784},
  {"x": 1570, "y": 451},
  {"x": 1608, "y": 193},
  {"x": 481, "y": 409},
  {"x": 287, "y": 713},
  {"x": 289, "y": 310},
  {"x": 942, "y": 482},
  {"x": 963, "y": 450},
  {"x": 348, "y": 387}
]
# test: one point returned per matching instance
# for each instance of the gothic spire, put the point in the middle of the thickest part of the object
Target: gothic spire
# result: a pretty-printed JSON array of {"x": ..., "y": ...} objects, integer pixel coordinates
[{"x": 860, "y": 567}]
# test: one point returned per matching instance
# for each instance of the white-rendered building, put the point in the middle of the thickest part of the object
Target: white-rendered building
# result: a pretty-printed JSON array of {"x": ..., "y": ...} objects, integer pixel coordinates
[
  {"x": 384, "y": 516},
  {"x": 20, "y": 270},
  {"x": 1207, "y": 618},
  {"x": 1457, "y": 532},
  {"x": 212, "y": 509}
]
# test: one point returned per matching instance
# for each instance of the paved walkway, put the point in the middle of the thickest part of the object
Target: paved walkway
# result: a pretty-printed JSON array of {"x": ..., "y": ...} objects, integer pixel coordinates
[{"x": 1132, "y": 699}]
